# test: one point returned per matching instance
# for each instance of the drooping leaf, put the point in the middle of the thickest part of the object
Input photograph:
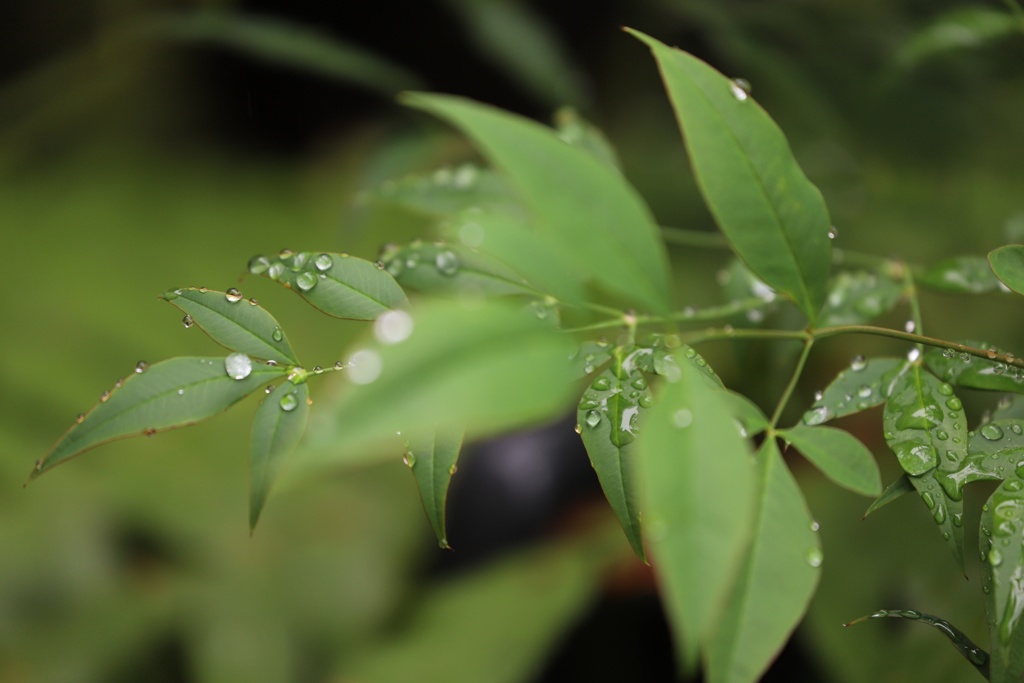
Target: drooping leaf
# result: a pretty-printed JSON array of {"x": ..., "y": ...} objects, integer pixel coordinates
[
  {"x": 978, "y": 658},
  {"x": 698, "y": 500},
  {"x": 481, "y": 364},
  {"x": 1008, "y": 265},
  {"x": 155, "y": 398},
  {"x": 277, "y": 428},
  {"x": 1002, "y": 546},
  {"x": 963, "y": 370},
  {"x": 777, "y": 581},
  {"x": 340, "y": 285},
  {"x": 579, "y": 132},
  {"x": 962, "y": 28},
  {"x": 897, "y": 489},
  {"x": 839, "y": 455},
  {"x": 581, "y": 205},
  {"x": 960, "y": 274},
  {"x": 925, "y": 427},
  {"x": 234, "y": 323},
  {"x": 452, "y": 268},
  {"x": 432, "y": 455},
  {"x": 773, "y": 216},
  {"x": 609, "y": 415},
  {"x": 865, "y": 384},
  {"x": 446, "y": 191},
  {"x": 859, "y": 297}
]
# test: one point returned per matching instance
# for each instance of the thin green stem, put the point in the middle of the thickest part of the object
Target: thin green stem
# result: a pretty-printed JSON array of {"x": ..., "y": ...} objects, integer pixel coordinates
[
  {"x": 910, "y": 288},
  {"x": 718, "y": 334},
  {"x": 694, "y": 238},
  {"x": 791, "y": 385}
]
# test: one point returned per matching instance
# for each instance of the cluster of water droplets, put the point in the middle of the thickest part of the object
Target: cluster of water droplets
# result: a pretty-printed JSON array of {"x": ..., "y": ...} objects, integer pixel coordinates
[
  {"x": 301, "y": 269},
  {"x": 857, "y": 395},
  {"x": 399, "y": 261}
]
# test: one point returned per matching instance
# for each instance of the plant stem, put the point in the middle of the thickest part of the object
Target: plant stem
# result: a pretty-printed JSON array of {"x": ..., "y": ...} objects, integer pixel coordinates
[
  {"x": 791, "y": 386},
  {"x": 694, "y": 238}
]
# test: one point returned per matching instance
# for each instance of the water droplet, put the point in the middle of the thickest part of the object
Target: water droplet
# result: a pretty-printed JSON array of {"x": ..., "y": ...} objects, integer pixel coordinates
[
  {"x": 816, "y": 416},
  {"x": 593, "y": 418},
  {"x": 253, "y": 302},
  {"x": 858, "y": 363},
  {"x": 187, "y": 321},
  {"x": 991, "y": 432},
  {"x": 80, "y": 418},
  {"x": 682, "y": 418},
  {"x": 940, "y": 514},
  {"x": 141, "y": 367},
  {"x": 1014, "y": 485},
  {"x": 259, "y": 265},
  {"x": 299, "y": 261},
  {"x": 941, "y": 435},
  {"x": 958, "y": 519},
  {"x": 995, "y": 558},
  {"x": 338, "y": 365},
  {"x": 818, "y": 395},
  {"x": 233, "y": 295},
  {"x": 1016, "y": 429},
  {"x": 991, "y": 353},
  {"x": 288, "y": 402},
  {"x": 238, "y": 365},
  {"x": 305, "y": 281},
  {"x": 447, "y": 262},
  {"x": 276, "y": 270},
  {"x": 601, "y": 384},
  {"x": 928, "y": 500},
  {"x": 181, "y": 392},
  {"x": 364, "y": 366},
  {"x": 914, "y": 354},
  {"x": 639, "y": 383},
  {"x": 814, "y": 557},
  {"x": 409, "y": 459},
  {"x": 865, "y": 391},
  {"x": 269, "y": 389},
  {"x": 645, "y": 401},
  {"x": 577, "y": 428},
  {"x": 323, "y": 262},
  {"x": 740, "y": 89},
  {"x": 814, "y": 525},
  {"x": 833, "y": 232},
  {"x": 909, "y": 327},
  {"x": 392, "y": 327},
  {"x": 277, "y": 334},
  {"x": 272, "y": 363},
  {"x": 945, "y": 390},
  {"x": 954, "y": 404}
]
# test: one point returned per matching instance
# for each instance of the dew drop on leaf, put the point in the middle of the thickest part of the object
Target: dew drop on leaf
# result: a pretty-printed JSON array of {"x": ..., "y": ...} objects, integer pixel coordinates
[
  {"x": 141, "y": 367},
  {"x": 816, "y": 416},
  {"x": 275, "y": 270},
  {"x": 269, "y": 389},
  {"x": 593, "y": 418},
  {"x": 253, "y": 302},
  {"x": 323, "y": 262},
  {"x": 740, "y": 89},
  {"x": 447, "y": 262},
  {"x": 317, "y": 370},
  {"x": 187, "y": 321},
  {"x": 955, "y": 404},
  {"x": 858, "y": 363},
  {"x": 288, "y": 402},
  {"x": 995, "y": 558},
  {"x": 409, "y": 459},
  {"x": 833, "y": 232},
  {"x": 277, "y": 334},
  {"x": 233, "y": 295},
  {"x": 305, "y": 281},
  {"x": 991, "y": 432},
  {"x": 814, "y": 557},
  {"x": 238, "y": 365},
  {"x": 80, "y": 418},
  {"x": 259, "y": 265}
]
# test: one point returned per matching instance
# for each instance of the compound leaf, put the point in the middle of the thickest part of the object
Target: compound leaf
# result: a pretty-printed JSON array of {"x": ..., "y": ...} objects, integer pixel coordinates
[
  {"x": 277, "y": 427},
  {"x": 839, "y": 455}
]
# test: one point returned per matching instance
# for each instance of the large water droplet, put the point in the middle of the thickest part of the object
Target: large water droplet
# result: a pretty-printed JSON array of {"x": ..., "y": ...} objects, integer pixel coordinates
[
  {"x": 276, "y": 270},
  {"x": 954, "y": 404},
  {"x": 858, "y": 363},
  {"x": 940, "y": 514},
  {"x": 816, "y": 416},
  {"x": 447, "y": 262},
  {"x": 364, "y": 366},
  {"x": 288, "y": 402},
  {"x": 392, "y": 327},
  {"x": 305, "y": 281},
  {"x": 259, "y": 265},
  {"x": 814, "y": 557},
  {"x": 601, "y": 384},
  {"x": 238, "y": 365},
  {"x": 593, "y": 418},
  {"x": 299, "y": 261},
  {"x": 233, "y": 295},
  {"x": 928, "y": 500},
  {"x": 740, "y": 89},
  {"x": 323, "y": 262},
  {"x": 913, "y": 354},
  {"x": 991, "y": 432},
  {"x": 187, "y": 321}
]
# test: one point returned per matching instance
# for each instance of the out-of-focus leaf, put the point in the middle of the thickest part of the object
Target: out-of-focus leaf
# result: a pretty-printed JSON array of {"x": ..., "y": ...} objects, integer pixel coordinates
[
  {"x": 584, "y": 207},
  {"x": 432, "y": 456},
  {"x": 277, "y": 428},
  {"x": 155, "y": 398},
  {"x": 967, "y": 27},
  {"x": 446, "y": 191},
  {"x": 839, "y": 455},
  {"x": 479, "y": 363},
  {"x": 609, "y": 415},
  {"x": 897, "y": 489},
  {"x": 777, "y": 581},
  {"x": 963, "y": 370},
  {"x": 452, "y": 269},
  {"x": 971, "y": 652},
  {"x": 739, "y": 284},
  {"x": 865, "y": 384},
  {"x": 858, "y": 297},
  {"x": 698, "y": 501},
  {"x": 1008, "y": 265},
  {"x": 750, "y": 418},
  {"x": 234, "y": 323},
  {"x": 961, "y": 274},
  {"x": 774, "y": 217},
  {"x": 925, "y": 427},
  {"x": 340, "y": 285},
  {"x": 281, "y": 42},
  {"x": 579, "y": 132},
  {"x": 1009, "y": 408},
  {"x": 1002, "y": 547}
]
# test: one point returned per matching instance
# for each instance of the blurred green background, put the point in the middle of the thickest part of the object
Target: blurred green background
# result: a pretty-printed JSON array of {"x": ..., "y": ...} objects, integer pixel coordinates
[{"x": 150, "y": 145}]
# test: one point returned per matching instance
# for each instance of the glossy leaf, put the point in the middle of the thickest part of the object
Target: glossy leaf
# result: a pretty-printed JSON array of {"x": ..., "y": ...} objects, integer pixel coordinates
[
  {"x": 446, "y": 191},
  {"x": 839, "y": 455},
  {"x": 609, "y": 416},
  {"x": 277, "y": 428},
  {"x": 478, "y": 363},
  {"x": 234, "y": 323},
  {"x": 172, "y": 393},
  {"x": 773, "y": 216},
  {"x": 432, "y": 455},
  {"x": 961, "y": 274},
  {"x": 579, "y": 132},
  {"x": 925, "y": 427},
  {"x": 1002, "y": 549},
  {"x": 340, "y": 285},
  {"x": 777, "y": 581},
  {"x": 584, "y": 207},
  {"x": 858, "y": 297},
  {"x": 865, "y": 384},
  {"x": 451, "y": 268},
  {"x": 698, "y": 501},
  {"x": 963, "y": 370},
  {"x": 897, "y": 489},
  {"x": 1008, "y": 265}
]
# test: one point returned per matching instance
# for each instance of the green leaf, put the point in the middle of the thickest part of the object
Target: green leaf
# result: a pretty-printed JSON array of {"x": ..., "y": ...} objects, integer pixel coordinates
[
  {"x": 962, "y": 28},
  {"x": 777, "y": 581},
  {"x": 858, "y": 297},
  {"x": 452, "y": 268},
  {"x": 155, "y": 398},
  {"x": 865, "y": 384},
  {"x": 1002, "y": 548},
  {"x": 1008, "y": 265},
  {"x": 749, "y": 416},
  {"x": 590, "y": 356},
  {"x": 475, "y": 363},
  {"x": 234, "y": 323},
  {"x": 446, "y": 191},
  {"x": 773, "y": 216},
  {"x": 925, "y": 427},
  {"x": 432, "y": 455},
  {"x": 277, "y": 428},
  {"x": 971, "y": 652},
  {"x": 961, "y": 274},
  {"x": 964, "y": 370},
  {"x": 698, "y": 501},
  {"x": 579, "y": 132},
  {"x": 340, "y": 285},
  {"x": 581, "y": 205},
  {"x": 897, "y": 489},
  {"x": 839, "y": 455},
  {"x": 609, "y": 415}
]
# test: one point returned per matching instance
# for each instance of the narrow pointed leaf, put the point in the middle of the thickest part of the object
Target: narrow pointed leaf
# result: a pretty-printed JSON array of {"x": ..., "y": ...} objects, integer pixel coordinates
[
  {"x": 340, "y": 285},
  {"x": 773, "y": 216},
  {"x": 586, "y": 208},
  {"x": 452, "y": 269},
  {"x": 897, "y": 489},
  {"x": 839, "y": 455},
  {"x": 446, "y": 191},
  {"x": 963, "y": 370},
  {"x": 1002, "y": 549},
  {"x": 432, "y": 455},
  {"x": 579, "y": 132},
  {"x": 234, "y": 323},
  {"x": 698, "y": 501},
  {"x": 859, "y": 297},
  {"x": 865, "y": 384},
  {"x": 172, "y": 393},
  {"x": 1008, "y": 265},
  {"x": 961, "y": 274},
  {"x": 277, "y": 427},
  {"x": 777, "y": 581},
  {"x": 609, "y": 415}
]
